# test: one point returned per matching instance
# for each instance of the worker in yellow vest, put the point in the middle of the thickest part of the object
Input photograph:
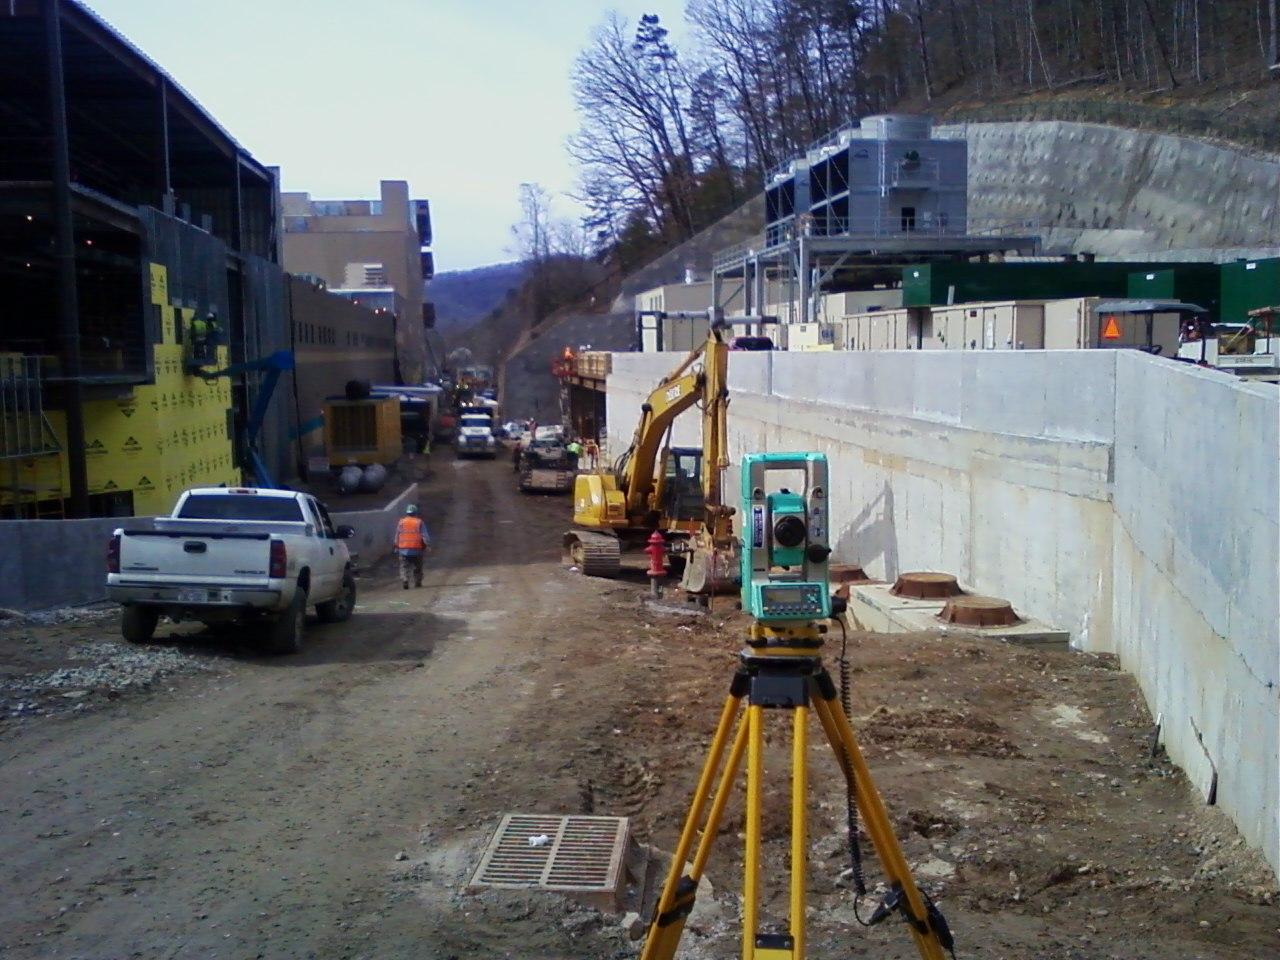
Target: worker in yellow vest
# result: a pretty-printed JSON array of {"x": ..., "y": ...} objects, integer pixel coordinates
[{"x": 412, "y": 543}]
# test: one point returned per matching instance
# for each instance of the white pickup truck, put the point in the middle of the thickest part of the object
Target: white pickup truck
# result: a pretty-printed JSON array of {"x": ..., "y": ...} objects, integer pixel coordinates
[{"x": 235, "y": 553}]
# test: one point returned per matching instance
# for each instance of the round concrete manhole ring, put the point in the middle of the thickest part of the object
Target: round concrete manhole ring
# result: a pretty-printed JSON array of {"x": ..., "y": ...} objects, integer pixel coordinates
[
  {"x": 923, "y": 585},
  {"x": 979, "y": 612},
  {"x": 843, "y": 574}
]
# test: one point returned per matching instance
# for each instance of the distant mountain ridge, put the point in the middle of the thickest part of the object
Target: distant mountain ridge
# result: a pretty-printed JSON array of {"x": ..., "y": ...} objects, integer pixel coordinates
[{"x": 463, "y": 297}]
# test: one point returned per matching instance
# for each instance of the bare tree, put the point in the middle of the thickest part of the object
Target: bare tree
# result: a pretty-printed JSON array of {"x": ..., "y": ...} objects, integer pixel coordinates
[
  {"x": 1275, "y": 35},
  {"x": 669, "y": 138},
  {"x": 532, "y": 233},
  {"x": 924, "y": 51}
]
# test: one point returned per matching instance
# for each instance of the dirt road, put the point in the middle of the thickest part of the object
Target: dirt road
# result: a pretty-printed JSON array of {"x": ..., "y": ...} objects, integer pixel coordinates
[{"x": 332, "y": 804}]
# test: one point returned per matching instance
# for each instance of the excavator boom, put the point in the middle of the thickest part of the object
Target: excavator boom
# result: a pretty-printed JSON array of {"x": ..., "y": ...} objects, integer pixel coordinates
[{"x": 633, "y": 497}]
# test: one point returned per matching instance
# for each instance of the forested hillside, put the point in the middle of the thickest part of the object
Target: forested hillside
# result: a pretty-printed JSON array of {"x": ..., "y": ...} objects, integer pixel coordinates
[
  {"x": 464, "y": 296},
  {"x": 671, "y": 139}
]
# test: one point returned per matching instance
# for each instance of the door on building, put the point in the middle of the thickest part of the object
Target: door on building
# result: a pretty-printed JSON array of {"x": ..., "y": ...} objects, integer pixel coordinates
[{"x": 908, "y": 219}]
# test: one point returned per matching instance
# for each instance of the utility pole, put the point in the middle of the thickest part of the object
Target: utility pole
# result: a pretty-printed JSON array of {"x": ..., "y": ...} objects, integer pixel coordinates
[{"x": 64, "y": 253}]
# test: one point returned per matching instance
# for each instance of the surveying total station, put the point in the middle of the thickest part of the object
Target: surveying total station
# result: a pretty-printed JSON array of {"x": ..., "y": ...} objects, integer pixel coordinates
[{"x": 786, "y": 590}]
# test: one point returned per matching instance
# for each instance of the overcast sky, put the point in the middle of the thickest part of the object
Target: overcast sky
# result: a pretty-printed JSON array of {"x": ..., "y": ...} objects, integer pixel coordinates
[{"x": 465, "y": 99}]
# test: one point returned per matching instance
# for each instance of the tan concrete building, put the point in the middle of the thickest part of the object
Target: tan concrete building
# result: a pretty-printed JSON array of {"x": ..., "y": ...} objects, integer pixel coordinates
[{"x": 368, "y": 245}]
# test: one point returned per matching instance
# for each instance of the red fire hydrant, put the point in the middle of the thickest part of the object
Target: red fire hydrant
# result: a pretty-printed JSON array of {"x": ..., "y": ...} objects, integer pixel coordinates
[{"x": 657, "y": 551}]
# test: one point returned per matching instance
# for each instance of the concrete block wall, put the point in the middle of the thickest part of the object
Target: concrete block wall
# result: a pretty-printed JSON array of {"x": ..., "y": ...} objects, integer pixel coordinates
[
  {"x": 1082, "y": 181},
  {"x": 1070, "y": 483},
  {"x": 63, "y": 563},
  {"x": 56, "y": 563}
]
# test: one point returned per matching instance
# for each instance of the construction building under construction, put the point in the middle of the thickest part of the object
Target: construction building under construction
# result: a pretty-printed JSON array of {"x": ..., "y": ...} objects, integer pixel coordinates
[{"x": 135, "y": 254}]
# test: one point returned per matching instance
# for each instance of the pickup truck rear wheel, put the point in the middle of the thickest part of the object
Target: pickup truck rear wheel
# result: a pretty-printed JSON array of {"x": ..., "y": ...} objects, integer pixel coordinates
[
  {"x": 340, "y": 607},
  {"x": 138, "y": 624},
  {"x": 285, "y": 635}
]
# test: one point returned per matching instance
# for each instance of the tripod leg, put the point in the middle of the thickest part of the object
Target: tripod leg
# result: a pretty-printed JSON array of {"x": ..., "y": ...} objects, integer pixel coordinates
[
  {"x": 879, "y": 829},
  {"x": 678, "y": 891},
  {"x": 721, "y": 799},
  {"x": 751, "y": 867},
  {"x": 799, "y": 837}
]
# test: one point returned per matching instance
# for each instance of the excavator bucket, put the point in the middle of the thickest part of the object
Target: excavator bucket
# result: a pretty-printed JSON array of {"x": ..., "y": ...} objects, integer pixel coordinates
[{"x": 710, "y": 570}]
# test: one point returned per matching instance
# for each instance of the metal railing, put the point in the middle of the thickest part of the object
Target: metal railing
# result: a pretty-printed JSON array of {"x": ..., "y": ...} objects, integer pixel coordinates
[
  {"x": 24, "y": 428},
  {"x": 898, "y": 228},
  {"x": 738, "y": 250},
  {"x": 828, "y": 140},
  {"x": 872, "y": 228}
]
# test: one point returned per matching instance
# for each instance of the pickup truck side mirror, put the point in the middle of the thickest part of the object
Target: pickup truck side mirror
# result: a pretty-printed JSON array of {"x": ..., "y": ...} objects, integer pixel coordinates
[{"x": 346, "y": 532}]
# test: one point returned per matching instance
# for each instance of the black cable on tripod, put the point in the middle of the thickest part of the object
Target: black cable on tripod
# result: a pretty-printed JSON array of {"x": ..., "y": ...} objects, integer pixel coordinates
[
  {"x": 936, "y": 921},
  {"x": 850, "y": 798}
]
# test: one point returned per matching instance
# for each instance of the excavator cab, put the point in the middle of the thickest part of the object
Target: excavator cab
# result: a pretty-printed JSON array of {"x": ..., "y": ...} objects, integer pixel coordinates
[{"x": 681, "y": 496}]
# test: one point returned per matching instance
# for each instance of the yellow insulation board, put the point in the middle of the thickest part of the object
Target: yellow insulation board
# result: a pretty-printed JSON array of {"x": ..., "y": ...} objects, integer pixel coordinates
[{"x": 159, "y": 439}]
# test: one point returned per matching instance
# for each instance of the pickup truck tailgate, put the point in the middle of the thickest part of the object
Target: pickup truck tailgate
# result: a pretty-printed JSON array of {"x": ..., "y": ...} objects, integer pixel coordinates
[{"x": 177, "y": 556}]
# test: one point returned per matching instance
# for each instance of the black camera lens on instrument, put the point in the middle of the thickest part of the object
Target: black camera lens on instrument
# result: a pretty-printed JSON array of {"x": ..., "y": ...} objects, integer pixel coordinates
[{"x": 789, "y": 532}]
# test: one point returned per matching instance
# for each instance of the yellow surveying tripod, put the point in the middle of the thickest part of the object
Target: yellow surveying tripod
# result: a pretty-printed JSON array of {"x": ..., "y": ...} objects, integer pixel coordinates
[{"x": 785, "y": 587}]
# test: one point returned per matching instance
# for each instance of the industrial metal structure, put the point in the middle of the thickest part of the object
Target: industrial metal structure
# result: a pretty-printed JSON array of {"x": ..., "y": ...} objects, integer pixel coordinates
[{"x": 859, "y": 205}]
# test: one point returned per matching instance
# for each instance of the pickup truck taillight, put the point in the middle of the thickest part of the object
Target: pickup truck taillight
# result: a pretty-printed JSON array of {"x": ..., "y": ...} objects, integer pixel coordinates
[
  {"x": 113, "y": 554},
  {"x": 279, "y": 567}
]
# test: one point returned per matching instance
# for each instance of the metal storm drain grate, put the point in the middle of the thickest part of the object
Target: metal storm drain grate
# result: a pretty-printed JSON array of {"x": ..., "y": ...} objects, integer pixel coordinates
[{"x": 581, "y": 855}]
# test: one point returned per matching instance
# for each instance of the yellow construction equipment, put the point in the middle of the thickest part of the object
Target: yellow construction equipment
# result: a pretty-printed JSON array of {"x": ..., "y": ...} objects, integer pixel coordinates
[{"x": 655, "y": 486}]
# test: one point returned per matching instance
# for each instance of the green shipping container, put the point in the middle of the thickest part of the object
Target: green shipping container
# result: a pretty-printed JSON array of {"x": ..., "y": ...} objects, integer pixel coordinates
[
  {"x": 937, "y": 284},
  {"x": 1248, "y": 285},
  {"x": 1198, "y": 283}
]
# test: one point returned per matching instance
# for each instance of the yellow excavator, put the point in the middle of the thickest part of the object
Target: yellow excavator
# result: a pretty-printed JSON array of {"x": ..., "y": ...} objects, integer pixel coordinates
[{"x": 674, "y": 490}]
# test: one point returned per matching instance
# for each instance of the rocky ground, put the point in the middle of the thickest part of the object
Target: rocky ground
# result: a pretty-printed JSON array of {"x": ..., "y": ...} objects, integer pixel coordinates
[{"x": 196, "y": 798}]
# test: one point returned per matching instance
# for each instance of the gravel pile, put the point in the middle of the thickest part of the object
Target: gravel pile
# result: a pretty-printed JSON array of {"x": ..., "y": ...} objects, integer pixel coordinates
[
  {"x": 113, "y": 667},
  {"x": 45, "y": 618}
]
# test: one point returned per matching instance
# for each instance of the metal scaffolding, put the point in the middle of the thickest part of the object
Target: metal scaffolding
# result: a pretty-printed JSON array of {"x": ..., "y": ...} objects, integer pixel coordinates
[{"x": 26, "y": 435}]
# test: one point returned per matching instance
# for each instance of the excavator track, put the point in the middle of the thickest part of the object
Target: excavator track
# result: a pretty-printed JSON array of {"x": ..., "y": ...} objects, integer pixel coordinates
[{"x": 595, "y": 554}]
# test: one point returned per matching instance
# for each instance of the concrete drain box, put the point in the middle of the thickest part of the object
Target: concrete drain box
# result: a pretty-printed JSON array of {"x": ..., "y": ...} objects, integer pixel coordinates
[
  {"x": 874, "y": 607},
  {"x": 583, "y": 857}
]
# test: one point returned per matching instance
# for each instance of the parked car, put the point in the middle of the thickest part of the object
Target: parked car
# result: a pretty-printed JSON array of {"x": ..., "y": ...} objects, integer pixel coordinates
[
  {"x": 751, "y": 343},
  {"x": 234, "y": 554}
]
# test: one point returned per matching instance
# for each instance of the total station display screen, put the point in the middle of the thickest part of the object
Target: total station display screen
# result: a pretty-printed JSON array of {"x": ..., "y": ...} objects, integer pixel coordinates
[{"x": 771, "y": 595}]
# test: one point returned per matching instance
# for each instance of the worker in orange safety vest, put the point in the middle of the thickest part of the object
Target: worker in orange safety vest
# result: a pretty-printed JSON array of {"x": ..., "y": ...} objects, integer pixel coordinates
[{"x": 412, "y": 543}]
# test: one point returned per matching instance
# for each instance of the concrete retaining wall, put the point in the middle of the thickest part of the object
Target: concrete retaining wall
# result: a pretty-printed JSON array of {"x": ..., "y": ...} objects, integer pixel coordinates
[
  {"x": 62, "y": 563},
  {"x": 528, "y": 388},
  {"x": 1071, "y": 483},
  {"x": 56, "y": 563},
  {"x": 1108, "y": 189},
  {"x": 375, "y": 529}
]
